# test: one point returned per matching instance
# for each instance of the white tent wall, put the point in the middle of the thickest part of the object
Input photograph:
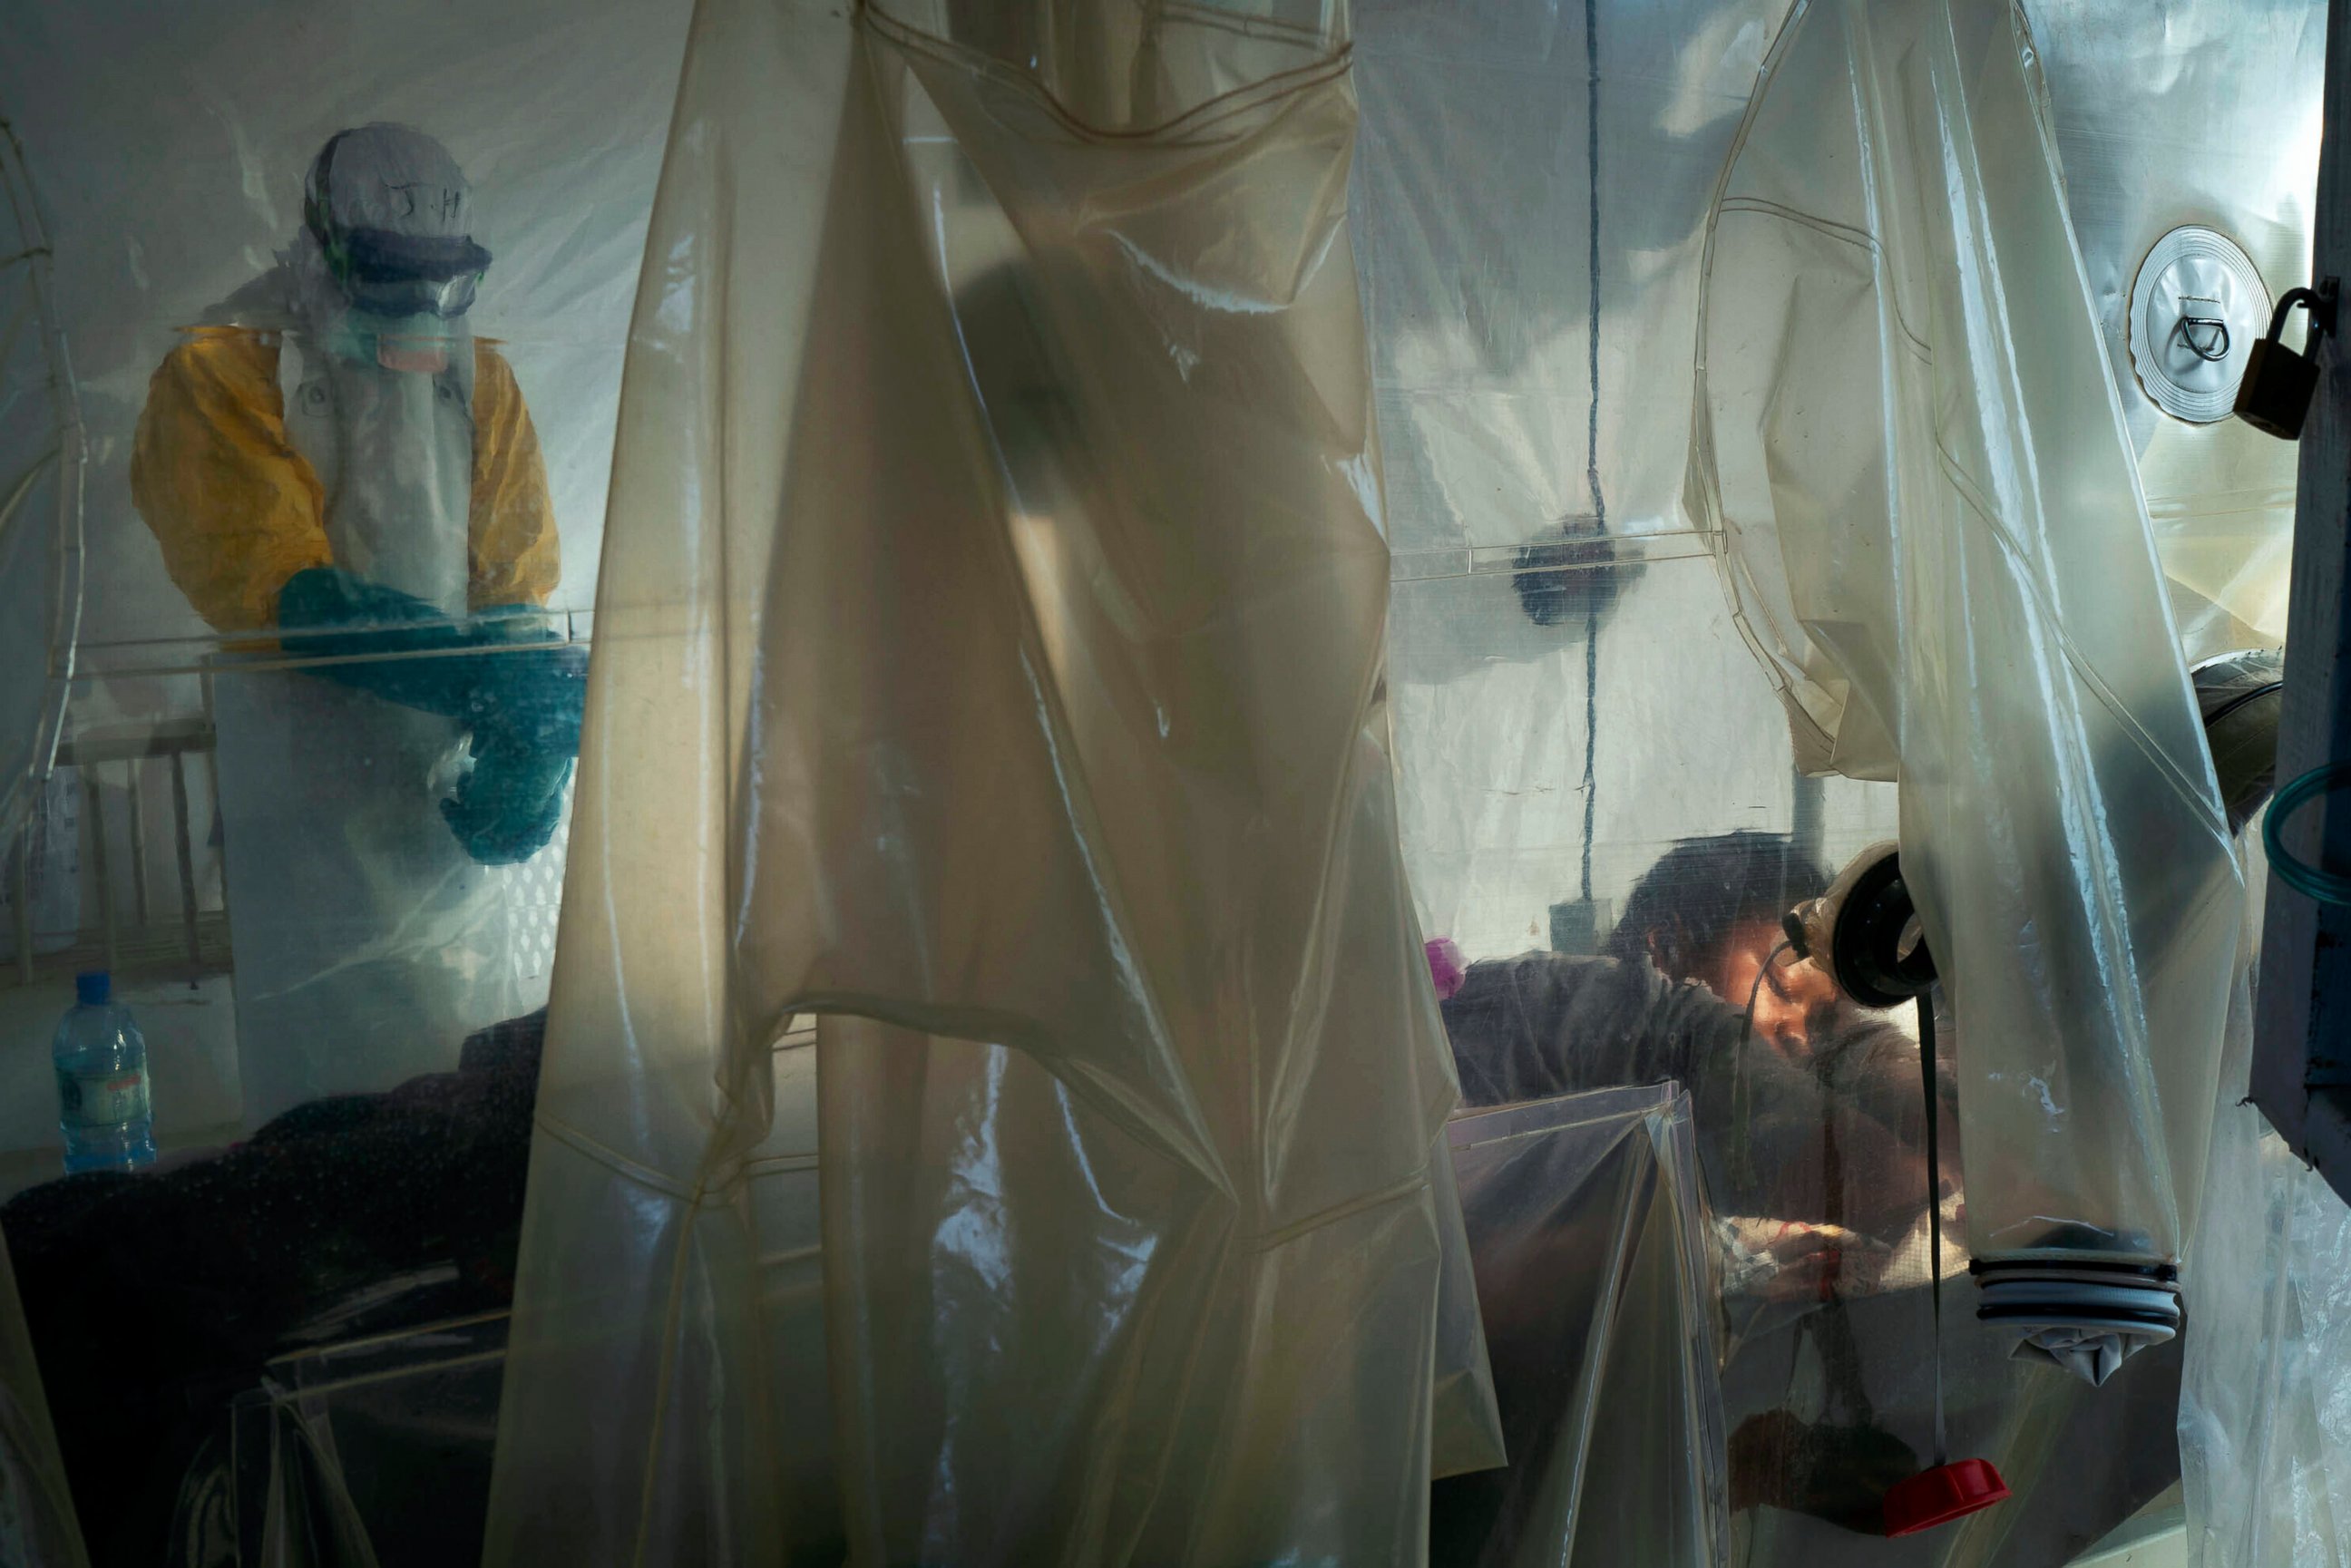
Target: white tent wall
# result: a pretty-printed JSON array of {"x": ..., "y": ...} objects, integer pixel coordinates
[
  {"x": 1529, "y": 405},
  {"x": 1490, "y": 139},
  {"x": 171, "y": 143}
]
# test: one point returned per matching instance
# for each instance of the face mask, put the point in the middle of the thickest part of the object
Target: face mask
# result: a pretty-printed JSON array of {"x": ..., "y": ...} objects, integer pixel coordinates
[
  {"x": 414, "y": 344},
  {"x": 402, "y": 299}
]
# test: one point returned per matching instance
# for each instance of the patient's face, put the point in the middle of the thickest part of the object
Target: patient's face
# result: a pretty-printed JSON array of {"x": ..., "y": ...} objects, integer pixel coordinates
[{"x": 1792, "y": 988}]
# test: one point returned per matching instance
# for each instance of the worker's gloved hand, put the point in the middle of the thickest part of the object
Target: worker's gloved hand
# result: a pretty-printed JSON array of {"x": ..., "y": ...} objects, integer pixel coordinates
[
  {"x": 501, "y": 674},
  {"x": 528, "y": 699},
  {"x": 505, "y": 810},
  {"x": 524, "y": 709},
  {"x": 483, "y": 672},
  {"x": 327, "y": 598},
  {"x": 330, "y": 614}
]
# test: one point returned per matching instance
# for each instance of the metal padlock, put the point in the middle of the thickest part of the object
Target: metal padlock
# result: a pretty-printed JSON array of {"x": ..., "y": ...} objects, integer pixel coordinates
[{"x": 2275, "y": 395}]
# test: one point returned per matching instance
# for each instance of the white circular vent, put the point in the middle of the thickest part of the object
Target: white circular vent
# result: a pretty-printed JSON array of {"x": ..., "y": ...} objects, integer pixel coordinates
[{"x": 2197, "y": 307}]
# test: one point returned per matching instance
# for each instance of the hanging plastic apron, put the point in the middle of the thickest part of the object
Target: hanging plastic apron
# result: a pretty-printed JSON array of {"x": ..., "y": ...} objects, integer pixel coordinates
[{"x": 367, "y": 943}]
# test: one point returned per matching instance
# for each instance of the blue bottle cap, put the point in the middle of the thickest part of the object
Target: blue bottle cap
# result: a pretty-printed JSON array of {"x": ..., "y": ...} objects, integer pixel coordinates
[{"x": 94, "y": 989}]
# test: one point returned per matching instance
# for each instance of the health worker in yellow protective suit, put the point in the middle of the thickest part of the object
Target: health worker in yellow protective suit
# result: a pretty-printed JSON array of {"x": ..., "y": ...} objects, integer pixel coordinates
[{"x": 332, "y": 456}]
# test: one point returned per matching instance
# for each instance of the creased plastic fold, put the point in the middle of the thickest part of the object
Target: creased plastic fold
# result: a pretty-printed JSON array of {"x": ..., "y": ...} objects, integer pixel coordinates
[
  {"x": 989, "y": 663},
  {"x": 1586, "y": 1224},
  {"x": 2264, "y": 1424},
  {"x": 1913, "y": 459}
]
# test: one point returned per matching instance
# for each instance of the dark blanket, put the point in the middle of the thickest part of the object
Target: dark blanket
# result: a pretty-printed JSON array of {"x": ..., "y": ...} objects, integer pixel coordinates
[{"x": 155, "y": 1300}]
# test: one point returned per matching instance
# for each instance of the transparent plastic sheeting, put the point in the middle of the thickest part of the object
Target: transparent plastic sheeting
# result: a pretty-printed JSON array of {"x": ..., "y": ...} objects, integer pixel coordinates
[
  {"x": 1815, "y": 1266},
  {"x": 369, "y": 941},
  {"x": 1531, "y": 190},
  {"x": 2206, "y": 112},
  {"x": 1530, "y": 198},
  {"x": 1556, "y": 728},
  {"x": 41, "y": 465},
  {"x": 2264, "y": 1442},
  {"x": 1827, "y": 1409},
  {"x": 1586, "y": 1225},
  {"x": 2266, "y": 1401},
  {"x": 40, "y": 597},
  {"x": 1914, "y": 455},
  {"x": 323, "y": 1464},
  {"x": 989, "y": 662}
]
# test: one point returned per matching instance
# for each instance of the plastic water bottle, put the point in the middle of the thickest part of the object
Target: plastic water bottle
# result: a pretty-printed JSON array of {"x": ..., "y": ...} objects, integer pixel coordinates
[{"x": 102, "y": 1101}]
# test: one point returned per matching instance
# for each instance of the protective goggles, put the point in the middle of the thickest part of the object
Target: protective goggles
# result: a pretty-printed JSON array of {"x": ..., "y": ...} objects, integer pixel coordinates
[{"x": 404, "y": 274}]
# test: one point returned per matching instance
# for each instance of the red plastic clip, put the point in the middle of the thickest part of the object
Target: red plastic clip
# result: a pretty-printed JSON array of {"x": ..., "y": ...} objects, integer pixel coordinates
[{"x": 1942, "y": 1494}]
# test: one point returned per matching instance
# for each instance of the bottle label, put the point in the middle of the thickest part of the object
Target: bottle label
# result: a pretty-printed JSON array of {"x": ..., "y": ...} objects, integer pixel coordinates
[{"x": 101, "y": 1099}]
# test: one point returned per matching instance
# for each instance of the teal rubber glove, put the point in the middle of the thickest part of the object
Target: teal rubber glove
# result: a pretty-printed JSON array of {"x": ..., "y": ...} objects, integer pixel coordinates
[
  {"x": 521, "y": 704},
  {"x": 524, "y": 712},
  {"x": 527, "y": 698},
  {"x": 483, "y": 672},
  {"x": 505, "y": 810},
  {"x": 328, "y": 613}
]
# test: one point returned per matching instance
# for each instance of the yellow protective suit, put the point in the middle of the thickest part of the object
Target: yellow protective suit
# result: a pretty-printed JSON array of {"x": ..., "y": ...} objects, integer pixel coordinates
[
  {"x": 368, "y": 944},
  {"x": 238, "y": 511}
]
